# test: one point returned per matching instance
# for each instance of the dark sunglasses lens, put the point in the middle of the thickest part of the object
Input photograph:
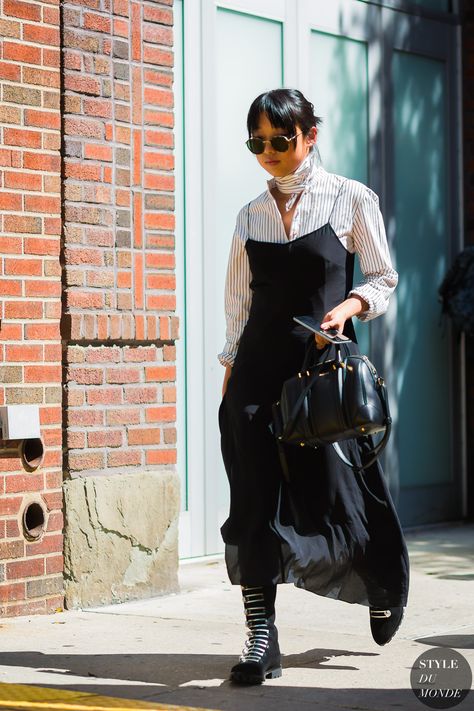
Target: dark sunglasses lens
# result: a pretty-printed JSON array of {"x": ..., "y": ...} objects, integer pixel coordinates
[
  {"x": 255, "y": 145},
  {"x": 280, "y": 144}
]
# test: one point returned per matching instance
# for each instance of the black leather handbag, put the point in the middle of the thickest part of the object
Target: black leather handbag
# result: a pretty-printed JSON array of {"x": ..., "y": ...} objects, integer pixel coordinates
[{"x": 338, "y": 398}]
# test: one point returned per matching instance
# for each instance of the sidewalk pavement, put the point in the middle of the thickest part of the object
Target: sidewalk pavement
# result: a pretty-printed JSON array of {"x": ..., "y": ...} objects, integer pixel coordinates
[{"x": 178, "y": 649}]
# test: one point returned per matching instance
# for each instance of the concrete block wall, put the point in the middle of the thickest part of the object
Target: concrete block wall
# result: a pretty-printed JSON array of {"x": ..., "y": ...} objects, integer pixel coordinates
[{"x": 30, "y": 299}]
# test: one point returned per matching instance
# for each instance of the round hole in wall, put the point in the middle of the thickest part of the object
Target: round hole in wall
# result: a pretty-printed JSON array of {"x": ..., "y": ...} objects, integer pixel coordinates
[
  {"x": 32, "y": 453},
  {"x": 34, "y": 521}
]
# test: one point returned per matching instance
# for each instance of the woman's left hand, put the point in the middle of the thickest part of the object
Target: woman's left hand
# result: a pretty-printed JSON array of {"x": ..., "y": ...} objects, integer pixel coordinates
[{"x": 337, "y": 317}]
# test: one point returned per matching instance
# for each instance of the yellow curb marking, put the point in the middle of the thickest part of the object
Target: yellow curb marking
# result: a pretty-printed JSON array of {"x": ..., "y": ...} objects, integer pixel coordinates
[{"x": 20, "y": 696}]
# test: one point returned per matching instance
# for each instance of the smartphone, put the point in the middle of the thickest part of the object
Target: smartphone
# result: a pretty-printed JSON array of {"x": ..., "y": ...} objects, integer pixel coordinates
[{"x": 312, "y": 325}]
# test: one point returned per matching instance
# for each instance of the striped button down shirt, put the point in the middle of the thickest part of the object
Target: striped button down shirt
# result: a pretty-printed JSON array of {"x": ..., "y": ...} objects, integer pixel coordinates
[{"x": 355, "y": 218}]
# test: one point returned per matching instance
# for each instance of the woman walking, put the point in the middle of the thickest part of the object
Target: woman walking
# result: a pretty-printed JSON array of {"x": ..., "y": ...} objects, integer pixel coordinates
[{"x": 292, "y": 254}]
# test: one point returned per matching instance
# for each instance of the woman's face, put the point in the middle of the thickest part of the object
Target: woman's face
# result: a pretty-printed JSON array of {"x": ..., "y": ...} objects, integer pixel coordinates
[{"x": 281, "y": 164}]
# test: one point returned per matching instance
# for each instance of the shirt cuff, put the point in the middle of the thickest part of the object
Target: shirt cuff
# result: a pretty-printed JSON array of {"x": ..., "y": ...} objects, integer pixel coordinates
[
  {"x": 372, "y": 311},
  {"x": 226, "y": 358}
]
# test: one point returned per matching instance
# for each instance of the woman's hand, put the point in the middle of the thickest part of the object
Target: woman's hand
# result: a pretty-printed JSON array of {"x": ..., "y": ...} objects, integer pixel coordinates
[
  {"x": 337, "y": 317},
  {"x": 228, "y": 373}
]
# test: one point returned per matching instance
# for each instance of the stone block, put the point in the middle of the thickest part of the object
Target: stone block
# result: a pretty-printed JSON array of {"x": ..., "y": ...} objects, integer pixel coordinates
[{"x": 121, "y": 537}]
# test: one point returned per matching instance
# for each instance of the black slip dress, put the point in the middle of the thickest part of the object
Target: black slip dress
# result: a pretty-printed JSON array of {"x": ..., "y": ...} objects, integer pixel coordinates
[{"x": 322, "y": 530}]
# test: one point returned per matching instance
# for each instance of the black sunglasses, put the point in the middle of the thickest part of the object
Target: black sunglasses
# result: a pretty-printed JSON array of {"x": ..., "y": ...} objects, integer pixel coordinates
[{"x": 278, "y": 143}]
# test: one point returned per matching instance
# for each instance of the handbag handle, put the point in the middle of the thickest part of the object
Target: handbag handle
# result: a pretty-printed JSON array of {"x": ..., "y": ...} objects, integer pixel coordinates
[{"x": 320, "y": 352}]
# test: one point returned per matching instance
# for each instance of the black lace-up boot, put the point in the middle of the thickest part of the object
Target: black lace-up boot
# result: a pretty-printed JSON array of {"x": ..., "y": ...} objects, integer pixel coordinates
[{"x": 260, "y": 658}]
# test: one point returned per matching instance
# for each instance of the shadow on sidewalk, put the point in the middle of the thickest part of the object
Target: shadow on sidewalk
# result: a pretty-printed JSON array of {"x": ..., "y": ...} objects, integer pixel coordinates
[
  {"x": 454, "y": 641},
  {"x": 164, "y": 669}
]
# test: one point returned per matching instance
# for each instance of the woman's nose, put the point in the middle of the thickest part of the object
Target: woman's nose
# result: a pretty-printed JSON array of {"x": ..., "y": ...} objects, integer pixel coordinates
[{"x": 268, "y": 148}]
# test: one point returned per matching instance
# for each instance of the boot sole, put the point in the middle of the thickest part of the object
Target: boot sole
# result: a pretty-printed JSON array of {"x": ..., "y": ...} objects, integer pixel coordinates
[{"x": 242, "y": 678}]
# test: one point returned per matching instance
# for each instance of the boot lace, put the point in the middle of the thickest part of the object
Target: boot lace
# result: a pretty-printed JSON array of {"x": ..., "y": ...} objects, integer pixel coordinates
[{"x": 258, "y": 631}]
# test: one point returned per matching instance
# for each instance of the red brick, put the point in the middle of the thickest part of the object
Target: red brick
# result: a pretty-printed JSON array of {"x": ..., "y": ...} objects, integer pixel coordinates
[
  {"x": 122, "y": 375},
  {"x": 44, "y": 119},
  {"x": 23, "y": 309},
  {"x": 49, "y": 543},
  {"x": 41, "y": 35},
  {"x": 85, "y": 376},
  {"x": 137, "y": 24},
  {"x": 10, "y": 72},
  {"x": 83, "y": 171},
  {"x": 42, "y": 246},
  {"x": 160, "y": 373},
  {"x": 44, "y": 288},
  {"x": 163, "y": 139},
  {"x": 12, "y": 591},
  {"x": 139, "y": 354},
  {"x": 96, "y": 151},
  {"x": 85, "y": 417},
  {"x": 161, "y": 414},
  {"x": 11, "y": 549},
  {"x": 161, "y": 281},
  {"x": 10, "y": 287},
  {"x": 82, "y": 84},
  {"x": 125, "y": 416},
  {"x": 121, "y": 28},
  {"x": 51, "y": 58},
  {"x": 97, "y": 107},
  {"x": 97, "y": 23},
  {"x": 145, "y": 436},
  {"x": 87, "y": 460},
  {"x": 104, "y": 396},
  {"x": 39, "y": 161},
  {"x": 16, "y": 483},
  {"x": 105, "y": 438},
  {"x": 10, "y": 201},
  {"x": 42, "y": 332},
  {"x": 10, "y": 245},
  {"x": 154, "y": 55},
  {"x": 103, "y": 355},
  {"x": 161, "y": 302},
  {"x": 42, "y": 374},
  {"x": 140, "y": 395},
  {"x": 54, "y": 564},
  {"x": 160, "y": 221},
  {"x": 25, "y": 568},
  {"x": 24, "y": 10},
  {"x": 158, "y": 35},
  {"x": 159, "y": 182},
  {"x": 51, "y": 415},
  {"x": 24, "y": 352},
  {"x": 23, "y": 181},
  {"x": 160, "y": 260},
  {"x": 41, "y": 77},
  {"x": 36, "y": 203},
  {"x": 157, "y": 14},
  {"x": 161, "y": 456},
  {"x": 159, "y": 161},
  {"x": 25, "y": 267},
  {"x": 122, "y": 458}
]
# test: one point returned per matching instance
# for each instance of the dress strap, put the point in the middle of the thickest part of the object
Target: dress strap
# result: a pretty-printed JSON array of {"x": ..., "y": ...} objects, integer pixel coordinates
[{"x": 335, "y": 201}]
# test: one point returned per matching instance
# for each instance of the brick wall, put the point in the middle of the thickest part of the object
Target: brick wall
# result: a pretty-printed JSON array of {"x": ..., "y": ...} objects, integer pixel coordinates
[
  {"x": 30, "y": 295},
  {"x": 118, "y": 236},
  {"x": 468, "y": 120}
]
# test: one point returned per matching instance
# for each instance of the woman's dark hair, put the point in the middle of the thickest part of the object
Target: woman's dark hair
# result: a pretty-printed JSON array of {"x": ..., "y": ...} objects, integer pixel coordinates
[{"x": 285, "y": 109}]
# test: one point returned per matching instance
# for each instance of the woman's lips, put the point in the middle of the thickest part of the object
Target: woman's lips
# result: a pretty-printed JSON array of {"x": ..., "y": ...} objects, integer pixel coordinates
[{"x": 272, "y": 162}]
